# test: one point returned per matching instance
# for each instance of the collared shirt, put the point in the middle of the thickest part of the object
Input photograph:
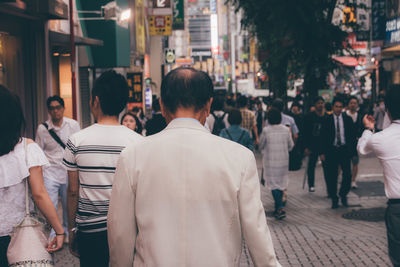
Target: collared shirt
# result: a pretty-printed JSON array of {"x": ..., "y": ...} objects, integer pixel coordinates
[
  {"x": 341, "y": 125},
  {"x": 287, "y": 121},
  {"x": 53, "y": 151},
  {"x": 386, "y": 146}
]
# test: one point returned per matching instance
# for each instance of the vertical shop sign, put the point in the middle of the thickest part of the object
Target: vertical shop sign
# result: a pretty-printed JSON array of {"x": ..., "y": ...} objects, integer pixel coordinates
[
  {"x": 378, "y": 19},
  {"x": 178, "y": 15},
  {"x": 135, "y": 83}
]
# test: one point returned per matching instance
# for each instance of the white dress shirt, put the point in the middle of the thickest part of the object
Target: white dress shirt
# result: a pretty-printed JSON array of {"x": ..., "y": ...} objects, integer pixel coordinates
[
  {"x": 341, "y": 125},
  {"x": 53, "y": 151},
  {"x": 386, "y": 146}
]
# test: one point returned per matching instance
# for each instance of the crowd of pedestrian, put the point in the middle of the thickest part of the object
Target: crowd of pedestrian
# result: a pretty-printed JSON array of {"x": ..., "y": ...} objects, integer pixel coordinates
[{"x": 187, "y": 193}]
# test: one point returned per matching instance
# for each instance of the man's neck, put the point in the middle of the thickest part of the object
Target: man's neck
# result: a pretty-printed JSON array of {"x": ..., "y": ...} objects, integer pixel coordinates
[
  {"x": 57, "y": 123},
  {"x": 353, "y": 112},
  {"x": 107, "y": 120}
]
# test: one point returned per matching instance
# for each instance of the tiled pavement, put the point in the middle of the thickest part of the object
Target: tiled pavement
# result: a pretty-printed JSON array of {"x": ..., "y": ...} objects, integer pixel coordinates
[{"x": 314, "y": 235}]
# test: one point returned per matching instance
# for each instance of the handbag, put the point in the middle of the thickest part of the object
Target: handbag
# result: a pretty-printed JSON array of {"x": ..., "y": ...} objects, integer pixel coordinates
[{"x": 28, "y": 241}]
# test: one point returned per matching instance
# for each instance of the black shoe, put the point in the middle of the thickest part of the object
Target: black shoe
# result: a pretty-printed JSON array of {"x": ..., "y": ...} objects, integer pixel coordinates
[
  {"x": 335, "y": 204},
  {"x": 281, "y": 214},
  {"x": 344, "y": 202}
]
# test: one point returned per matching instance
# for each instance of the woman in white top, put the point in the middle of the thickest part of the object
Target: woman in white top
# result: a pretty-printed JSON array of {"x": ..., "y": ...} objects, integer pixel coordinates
[
  {"x": 16, "y": 164},
  {"x": 275, "y": 144}
]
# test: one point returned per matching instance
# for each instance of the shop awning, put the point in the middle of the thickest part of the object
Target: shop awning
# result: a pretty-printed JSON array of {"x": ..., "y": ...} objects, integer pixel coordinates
[
  {"x": 393, "y": 50},
  {"x": 347, "y": 61},
  {"x": 62, "y": 39}
]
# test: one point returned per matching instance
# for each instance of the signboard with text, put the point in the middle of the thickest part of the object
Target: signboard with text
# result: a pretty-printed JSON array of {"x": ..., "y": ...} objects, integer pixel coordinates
[
  {"x": 393, "y": 31},
  {"x": 135, "y": 83},
  {"x": 178, "y": 15},
  {"x": 160, "y": 25}
]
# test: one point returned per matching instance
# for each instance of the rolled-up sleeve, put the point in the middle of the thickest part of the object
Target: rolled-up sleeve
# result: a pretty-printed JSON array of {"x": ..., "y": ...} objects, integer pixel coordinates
[
  {"x": 365, "y": 144},
  {"x": 252, "y": 218},
  {"x": 121, "y": 220}
]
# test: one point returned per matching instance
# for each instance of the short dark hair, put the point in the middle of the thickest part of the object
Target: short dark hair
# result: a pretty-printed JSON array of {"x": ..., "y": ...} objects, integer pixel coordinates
[
  {"x": 351, "y": 98},
  {"x": 278, "y": 104},
  {"x": 242, "y": 101},
  {"x": 274, "y": 116},
  {"x": 235, "y": 117},
  {"x": 392, "y": 100},
  {"x": 112, "y": 90},
  {"x": 337, "y": 99},
  {"x": 186, "y": 87},
  {"x": 12, "y": 120},
  {"x": 218, "y": 103},
  {"x": 318, "y": 98},
  {"x": 55, "y": 98}
]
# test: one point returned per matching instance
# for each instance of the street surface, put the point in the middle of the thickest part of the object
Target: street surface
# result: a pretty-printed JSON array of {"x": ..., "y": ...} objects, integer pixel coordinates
[{"x": 313, "y": 234}]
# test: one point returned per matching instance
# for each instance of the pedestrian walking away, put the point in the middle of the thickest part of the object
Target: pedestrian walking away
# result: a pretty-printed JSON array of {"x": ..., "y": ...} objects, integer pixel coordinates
[
  {"x": 338, "y": 148},
  {"x": 386, "y": 146},
  {"x": 235, "y": 132},
  {"x": 52, "y": 136},
  {"x": 21, "y": 159},
  {"x": 91, "y": 156},
  {"x": 275, "y": 144},
  {"x": 192, "y": 196},
  {"x": 313, "y": 122}
]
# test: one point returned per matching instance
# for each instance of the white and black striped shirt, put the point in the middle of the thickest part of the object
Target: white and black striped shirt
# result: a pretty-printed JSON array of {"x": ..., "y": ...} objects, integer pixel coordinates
[{"x": 94, "y": 152}]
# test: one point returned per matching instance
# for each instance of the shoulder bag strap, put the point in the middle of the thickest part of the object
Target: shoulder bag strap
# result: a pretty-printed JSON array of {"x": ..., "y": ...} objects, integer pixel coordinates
[
  {"x": 229, "y": 135},
  {"x": 241, "y": 136},
  {"x": 26, "y": 180},
  {"x": 54, "y": 135}
]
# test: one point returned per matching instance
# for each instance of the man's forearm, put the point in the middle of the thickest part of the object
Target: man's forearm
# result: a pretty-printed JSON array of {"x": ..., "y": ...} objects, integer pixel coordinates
[{"x": 72, "y": 204}]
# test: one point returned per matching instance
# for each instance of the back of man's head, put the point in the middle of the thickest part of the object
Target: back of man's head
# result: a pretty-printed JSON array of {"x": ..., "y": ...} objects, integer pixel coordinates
[
  {"x": 218, "y": 103},
  {"x": 392, "y": 100},
  {"x": 278, "y": 104},
  {"x": 112, "y": 90},
  {"x": 186, "y": 88},
  {"x": 242, "y": 101}
]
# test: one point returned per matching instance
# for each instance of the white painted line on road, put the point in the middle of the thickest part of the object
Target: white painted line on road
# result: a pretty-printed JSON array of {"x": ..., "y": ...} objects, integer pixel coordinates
[{"x": 372, "y": 175}]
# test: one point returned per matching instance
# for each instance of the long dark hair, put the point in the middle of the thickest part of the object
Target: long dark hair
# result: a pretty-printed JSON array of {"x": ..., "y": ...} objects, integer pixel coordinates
[
  {"x": 12, "y": 121},
  {"x": 139, "y": 127}
]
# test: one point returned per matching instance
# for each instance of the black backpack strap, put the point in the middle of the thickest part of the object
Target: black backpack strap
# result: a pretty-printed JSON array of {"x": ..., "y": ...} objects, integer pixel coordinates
[
  {"x": 54, "y": 135},
  {"x": 241, "y": 136},
  {"x": 229, "y": 135}
]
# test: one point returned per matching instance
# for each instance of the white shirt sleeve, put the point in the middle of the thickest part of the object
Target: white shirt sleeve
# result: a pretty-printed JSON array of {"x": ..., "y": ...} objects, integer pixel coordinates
[
  {"x": 365, "y": 145},
  {"x": 35, "y": 156}
]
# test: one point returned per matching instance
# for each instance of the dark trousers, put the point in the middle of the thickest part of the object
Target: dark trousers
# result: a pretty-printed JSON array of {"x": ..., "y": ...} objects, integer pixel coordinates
[
  {"x": 392, "y": 220},
  {"x": 93, "y": 249},
  {"x": 312, "y": 161},
  {"x": 335, "y": 158},
  {"x": 277, "y": 195},
  {"x": 4, "y": 242}
]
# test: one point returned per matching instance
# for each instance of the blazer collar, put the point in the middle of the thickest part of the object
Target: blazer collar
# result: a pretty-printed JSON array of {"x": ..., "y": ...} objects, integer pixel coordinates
[{"x": 186, "y": 123}]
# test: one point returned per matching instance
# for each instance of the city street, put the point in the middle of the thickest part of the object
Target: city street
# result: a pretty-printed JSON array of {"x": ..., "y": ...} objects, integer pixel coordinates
[{"x": 315, "y": 235}]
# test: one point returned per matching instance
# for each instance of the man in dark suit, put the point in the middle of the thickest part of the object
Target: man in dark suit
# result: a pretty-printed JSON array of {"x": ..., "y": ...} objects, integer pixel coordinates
[{"x": 338, "y": 147}]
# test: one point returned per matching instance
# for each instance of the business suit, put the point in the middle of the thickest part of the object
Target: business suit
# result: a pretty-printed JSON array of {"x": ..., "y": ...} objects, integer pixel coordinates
[
  {"x": 191, "y": 196},
  {"x": 337, "y": 154}
]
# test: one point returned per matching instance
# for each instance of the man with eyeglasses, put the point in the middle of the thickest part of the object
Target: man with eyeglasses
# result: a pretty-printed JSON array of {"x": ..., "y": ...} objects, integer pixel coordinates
[{"x": 52, "y": 136}]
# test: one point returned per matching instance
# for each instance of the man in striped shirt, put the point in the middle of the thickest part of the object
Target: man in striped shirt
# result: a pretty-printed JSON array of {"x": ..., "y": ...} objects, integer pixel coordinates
[{"x": 91, "y": 156}]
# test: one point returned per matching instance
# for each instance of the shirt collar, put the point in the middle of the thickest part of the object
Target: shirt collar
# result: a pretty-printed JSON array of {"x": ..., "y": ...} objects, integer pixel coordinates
[{"x": 52, "y": 126}]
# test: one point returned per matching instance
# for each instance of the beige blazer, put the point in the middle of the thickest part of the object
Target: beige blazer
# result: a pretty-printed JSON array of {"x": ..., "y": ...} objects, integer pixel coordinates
[{"x": 185, "y": 197}]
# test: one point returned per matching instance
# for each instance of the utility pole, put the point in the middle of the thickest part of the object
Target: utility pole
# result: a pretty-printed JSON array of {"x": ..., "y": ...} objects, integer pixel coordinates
[
  {"x": 233, "y": 47},
  {"x": 73, "y": 57}
]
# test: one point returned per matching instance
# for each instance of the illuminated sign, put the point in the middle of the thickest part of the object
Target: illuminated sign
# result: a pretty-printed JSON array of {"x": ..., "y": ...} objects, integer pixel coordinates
[
  {"x": 393, "y": 31},
  {"x": 214, "y": 34},
  {"x": 135, "y": 83}
]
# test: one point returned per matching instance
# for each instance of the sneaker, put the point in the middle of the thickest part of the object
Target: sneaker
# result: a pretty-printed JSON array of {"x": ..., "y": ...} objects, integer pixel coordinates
[
  {"x": 353, "y": 185},
  {"x": 281, "y": 214},
  {"x": 311, "y": 189}
]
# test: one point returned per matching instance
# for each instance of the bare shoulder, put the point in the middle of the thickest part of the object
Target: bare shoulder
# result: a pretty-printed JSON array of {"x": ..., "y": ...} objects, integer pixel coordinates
[{"x": 29, "y": 141}]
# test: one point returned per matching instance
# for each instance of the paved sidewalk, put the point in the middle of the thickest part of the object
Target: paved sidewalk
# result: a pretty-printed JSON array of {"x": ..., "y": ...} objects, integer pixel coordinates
[{"x": 313, "y": 234}]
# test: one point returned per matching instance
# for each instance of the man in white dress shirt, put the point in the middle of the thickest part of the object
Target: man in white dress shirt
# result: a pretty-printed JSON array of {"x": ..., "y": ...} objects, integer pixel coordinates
[
  {"x": 386, "y": 146},
  {"x": 200, "y": 197},
  {"x": 55, "y": 176}
]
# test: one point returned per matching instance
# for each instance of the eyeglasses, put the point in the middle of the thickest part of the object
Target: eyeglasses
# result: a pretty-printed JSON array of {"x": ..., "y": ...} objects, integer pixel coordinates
[{"x": 51, "y": 108}]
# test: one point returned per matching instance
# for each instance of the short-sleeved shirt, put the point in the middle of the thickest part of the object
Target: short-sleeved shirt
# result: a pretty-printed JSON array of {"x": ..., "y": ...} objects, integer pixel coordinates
[
  {"x": 14, "y": 169},
  {"x": 287, "y": 121},
  {"x": 53, "y": 151},
  {"x": 94, "y": 152}
]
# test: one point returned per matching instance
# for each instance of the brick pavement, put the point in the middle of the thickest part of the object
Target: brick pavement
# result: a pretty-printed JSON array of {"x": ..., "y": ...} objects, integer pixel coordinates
[{"x": 313, "y": 234}]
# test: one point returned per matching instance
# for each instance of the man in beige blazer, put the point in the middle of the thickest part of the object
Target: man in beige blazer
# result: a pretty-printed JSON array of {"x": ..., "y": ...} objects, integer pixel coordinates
[{"x": 185, "y": 197}]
